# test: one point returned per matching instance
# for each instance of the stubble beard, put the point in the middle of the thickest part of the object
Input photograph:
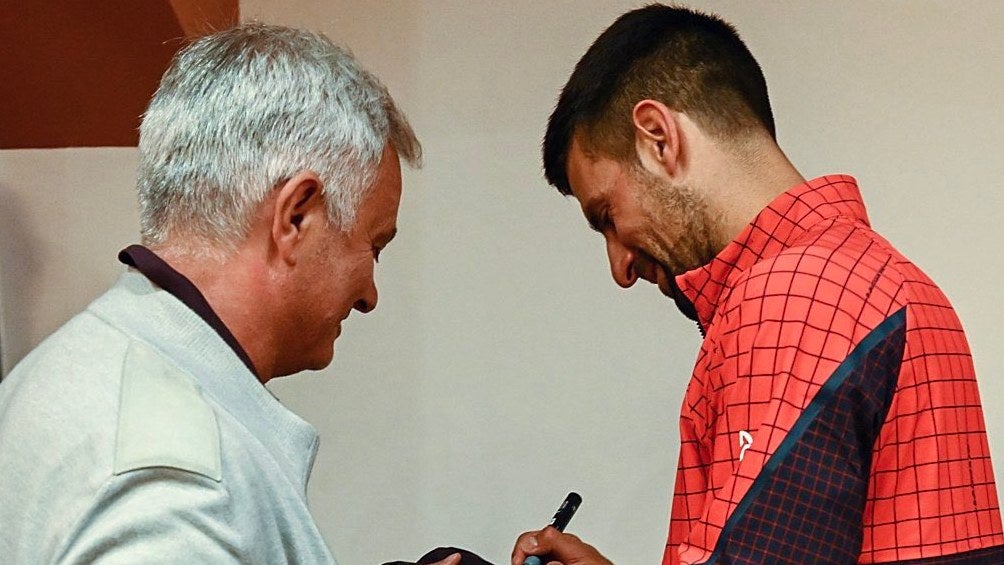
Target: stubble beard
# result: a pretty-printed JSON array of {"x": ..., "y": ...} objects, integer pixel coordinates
[{"x": 682, "y": 226}]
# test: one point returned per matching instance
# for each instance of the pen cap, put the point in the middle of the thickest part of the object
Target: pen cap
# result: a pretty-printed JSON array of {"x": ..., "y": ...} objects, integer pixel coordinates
[{"x": 565, "y": 512}]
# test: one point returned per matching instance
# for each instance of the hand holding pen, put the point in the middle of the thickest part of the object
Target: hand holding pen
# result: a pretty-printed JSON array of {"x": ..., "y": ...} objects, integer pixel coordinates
[{"x": 550, "y": 545}]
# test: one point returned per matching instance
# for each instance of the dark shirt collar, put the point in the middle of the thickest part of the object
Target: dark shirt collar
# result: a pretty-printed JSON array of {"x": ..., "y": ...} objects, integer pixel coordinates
[{"x": 163, "y": 275}]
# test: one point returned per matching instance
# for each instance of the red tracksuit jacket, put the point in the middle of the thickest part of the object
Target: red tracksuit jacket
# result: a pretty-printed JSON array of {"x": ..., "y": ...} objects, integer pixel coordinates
[{"x": 833, "y": 414}]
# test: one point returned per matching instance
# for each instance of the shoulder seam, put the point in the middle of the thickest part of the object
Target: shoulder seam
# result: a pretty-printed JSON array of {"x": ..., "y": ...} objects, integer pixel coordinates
[{"x": 164, "y": 419}]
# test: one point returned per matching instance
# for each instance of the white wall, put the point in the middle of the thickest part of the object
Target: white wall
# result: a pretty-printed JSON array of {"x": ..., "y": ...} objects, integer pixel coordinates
[
  {"x": 64, "y": 215},
  {"x": 503, "y": 367}
]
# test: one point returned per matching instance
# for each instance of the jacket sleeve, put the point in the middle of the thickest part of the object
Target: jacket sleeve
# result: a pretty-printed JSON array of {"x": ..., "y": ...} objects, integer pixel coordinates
[{"x": 799, "y": 405}]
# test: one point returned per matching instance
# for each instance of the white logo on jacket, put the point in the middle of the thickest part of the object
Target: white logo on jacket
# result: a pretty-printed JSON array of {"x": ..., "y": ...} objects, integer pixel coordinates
[{"x": 745, "y": 442}]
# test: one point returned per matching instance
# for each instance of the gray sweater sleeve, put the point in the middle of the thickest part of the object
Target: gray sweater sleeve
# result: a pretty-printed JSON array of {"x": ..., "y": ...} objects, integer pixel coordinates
[{"x": 158, "y": 515}]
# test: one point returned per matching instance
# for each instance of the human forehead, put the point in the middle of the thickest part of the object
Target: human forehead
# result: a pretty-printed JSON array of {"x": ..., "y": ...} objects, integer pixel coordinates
[
  {"x": 378, "y": 210},
  {"x": 592, "y": 176}
]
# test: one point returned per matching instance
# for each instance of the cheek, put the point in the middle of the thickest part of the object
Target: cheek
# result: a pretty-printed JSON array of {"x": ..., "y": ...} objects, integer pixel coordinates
[
  {"x": 636, "y": 232},
  {"x": 350, "y": 284}
]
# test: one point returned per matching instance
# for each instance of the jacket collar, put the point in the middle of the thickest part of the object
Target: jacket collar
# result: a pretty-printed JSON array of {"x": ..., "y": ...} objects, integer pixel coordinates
[{"x": 775, "y": 228}]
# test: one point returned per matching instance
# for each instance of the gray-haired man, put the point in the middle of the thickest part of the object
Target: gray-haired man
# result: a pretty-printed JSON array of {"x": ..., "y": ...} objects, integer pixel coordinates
[{"x": 269, "y": 181}]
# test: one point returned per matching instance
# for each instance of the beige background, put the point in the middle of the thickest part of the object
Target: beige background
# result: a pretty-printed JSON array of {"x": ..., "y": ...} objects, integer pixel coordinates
[{"x": 503, "y": 367}]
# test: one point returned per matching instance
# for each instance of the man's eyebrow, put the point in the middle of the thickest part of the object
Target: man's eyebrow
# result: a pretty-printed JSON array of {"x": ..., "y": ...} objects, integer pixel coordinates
[{"x": 589, "y": 211}]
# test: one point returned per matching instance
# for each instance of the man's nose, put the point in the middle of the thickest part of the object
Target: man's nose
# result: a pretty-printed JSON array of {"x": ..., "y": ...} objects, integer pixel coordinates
[
  {"x": 621, "y": 263},
  {"x": 368, "y": 301}
]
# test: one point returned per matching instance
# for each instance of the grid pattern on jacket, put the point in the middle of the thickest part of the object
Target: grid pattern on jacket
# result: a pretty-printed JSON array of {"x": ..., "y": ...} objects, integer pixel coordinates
[
  {"x": 807, "y": 471},
  {"x": 784, "y": 305}
]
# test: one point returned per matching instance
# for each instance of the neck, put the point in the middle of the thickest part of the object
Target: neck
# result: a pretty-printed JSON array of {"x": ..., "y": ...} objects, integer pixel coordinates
[
  {"x": 742, "y": 183},
  {"x": 228, "y": 282}
]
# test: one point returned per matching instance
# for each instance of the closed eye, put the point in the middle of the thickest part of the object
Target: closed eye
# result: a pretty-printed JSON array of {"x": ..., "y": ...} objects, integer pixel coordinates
[{"x": 600, "y": 222}]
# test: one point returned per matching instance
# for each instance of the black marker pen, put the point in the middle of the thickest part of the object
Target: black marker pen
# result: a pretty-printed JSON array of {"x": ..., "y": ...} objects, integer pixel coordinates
[{"x": 560, "y": 520}]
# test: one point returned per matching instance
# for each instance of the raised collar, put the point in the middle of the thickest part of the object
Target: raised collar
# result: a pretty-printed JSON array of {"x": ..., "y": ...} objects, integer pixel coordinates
[{"x": 775, "y": 228}]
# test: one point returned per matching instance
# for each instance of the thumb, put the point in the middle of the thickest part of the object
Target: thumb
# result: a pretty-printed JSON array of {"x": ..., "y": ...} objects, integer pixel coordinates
[{"x": 451, "y": 560}]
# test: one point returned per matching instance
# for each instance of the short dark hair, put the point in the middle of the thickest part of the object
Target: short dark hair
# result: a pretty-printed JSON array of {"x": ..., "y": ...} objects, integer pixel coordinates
[{"x": 693, "y": 62}]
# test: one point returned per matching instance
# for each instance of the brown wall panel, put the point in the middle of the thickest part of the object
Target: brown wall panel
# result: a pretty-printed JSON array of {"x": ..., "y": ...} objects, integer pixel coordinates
[{"x": 78, "y": 73}]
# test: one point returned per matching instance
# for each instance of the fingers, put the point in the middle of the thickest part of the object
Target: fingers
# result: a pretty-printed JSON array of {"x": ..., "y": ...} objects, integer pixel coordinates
[
  {"x": 526, "y": 544},
  {"x": 562, "y": 549},
  {"x": 548, "y": 541},
  {"x": 451, "y": 560}
]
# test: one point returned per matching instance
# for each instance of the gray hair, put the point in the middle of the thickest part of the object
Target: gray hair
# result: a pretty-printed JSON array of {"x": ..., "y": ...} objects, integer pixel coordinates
[{"x": 242, "y": 111}]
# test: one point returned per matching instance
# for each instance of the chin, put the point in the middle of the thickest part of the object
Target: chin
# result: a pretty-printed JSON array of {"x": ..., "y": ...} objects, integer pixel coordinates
[
  {"x": 662, "y": 282},
  {"x": 325, "y": 361},
  {"x": 320, "y": 360}
]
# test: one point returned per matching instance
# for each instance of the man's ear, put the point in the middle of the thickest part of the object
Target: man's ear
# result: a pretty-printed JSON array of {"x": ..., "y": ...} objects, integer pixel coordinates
[
  {"x": 299, "y": 211},
  {"x": 657, "y": 137}
]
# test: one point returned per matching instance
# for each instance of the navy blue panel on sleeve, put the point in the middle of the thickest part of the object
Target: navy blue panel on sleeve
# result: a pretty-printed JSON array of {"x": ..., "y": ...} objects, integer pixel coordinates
[{"x": 806, "y": 504}]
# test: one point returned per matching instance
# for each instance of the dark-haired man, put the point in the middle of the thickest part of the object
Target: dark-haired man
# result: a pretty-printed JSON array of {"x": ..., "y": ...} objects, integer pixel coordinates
[{"x": 833, "y": 414}]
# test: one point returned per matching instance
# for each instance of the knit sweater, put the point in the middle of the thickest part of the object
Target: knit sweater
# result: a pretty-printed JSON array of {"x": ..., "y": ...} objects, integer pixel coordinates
[{"x": 136, "y": 434}]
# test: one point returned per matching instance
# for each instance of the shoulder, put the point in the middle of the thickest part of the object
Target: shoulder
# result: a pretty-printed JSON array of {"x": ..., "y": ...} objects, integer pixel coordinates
[
  {"x": 84, "y": 409},
  {"x": 842, "y": 266},
  {"x": 164, "y": 420},
  {"x": 93, "y": 395},
  {"x": 827, "y": 291},
  {"x": 63, "y": 395}
]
